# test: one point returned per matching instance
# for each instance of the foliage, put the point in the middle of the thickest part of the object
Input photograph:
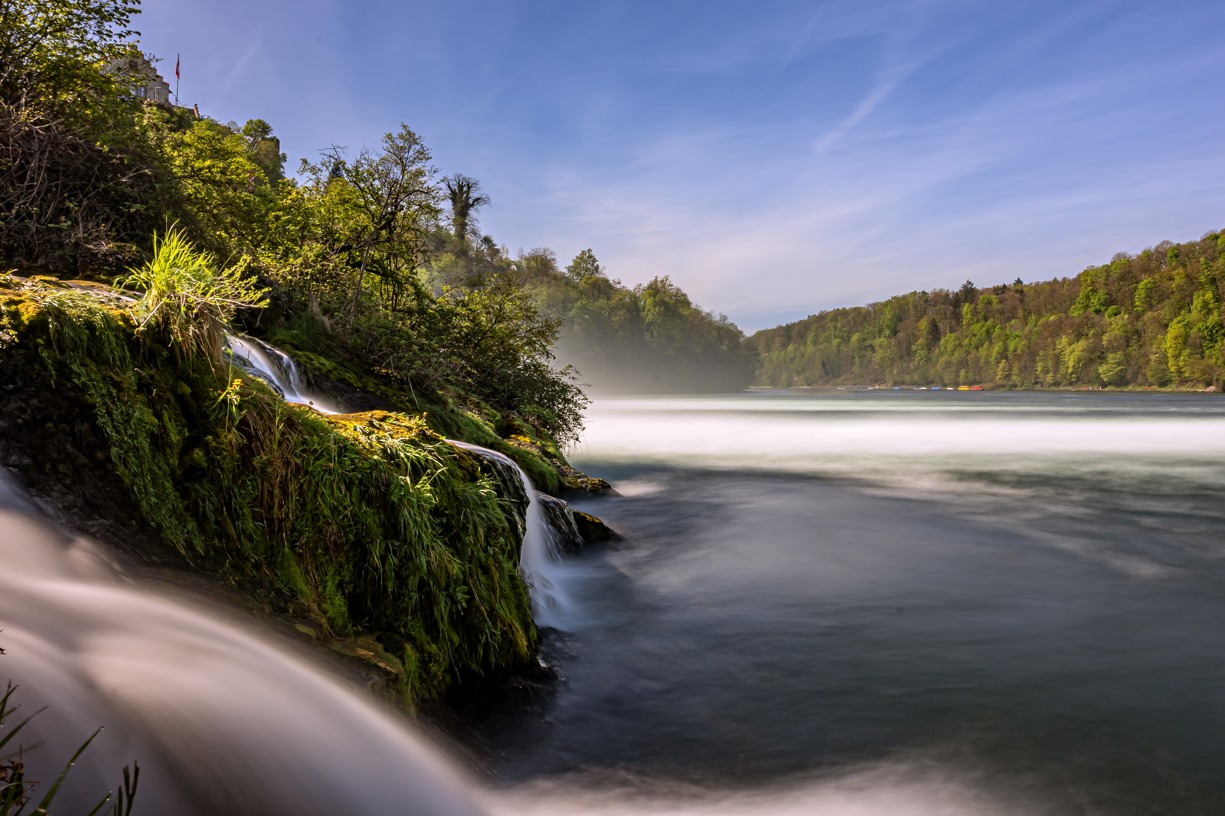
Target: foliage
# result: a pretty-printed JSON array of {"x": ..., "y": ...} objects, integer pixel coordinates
[
  {"x": 188, "y": 297},
  {"x": 498, "y": 347},
  {"x": 584, "y": 266},
  {"x": 355, "y": 251},
  {"x": 66, "y": 200},
  {"x": 227, "y": 186},
  {"x": 369, "y": 522},
  {"x": 16, "y": 789},
  {"x": 52, "y": 52},
  {"x": 651, "y": 338},
  {"x": 76, "y": 183},
  {"x": 383, "y": 204},
  {"x": 1153, "y": 320}
]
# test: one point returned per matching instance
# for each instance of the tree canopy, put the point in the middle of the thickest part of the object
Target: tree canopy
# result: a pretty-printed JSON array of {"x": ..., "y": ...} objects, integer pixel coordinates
[{"x": 1152, "y": 320}]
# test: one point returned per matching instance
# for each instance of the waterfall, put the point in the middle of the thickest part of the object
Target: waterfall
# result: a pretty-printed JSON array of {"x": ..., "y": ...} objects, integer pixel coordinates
[
  {"x": 220, "y": 717},
  {"x": 278, "y": 369},
  {"x": 224, "y": 719},
  {"x": 540, "y": 556}
]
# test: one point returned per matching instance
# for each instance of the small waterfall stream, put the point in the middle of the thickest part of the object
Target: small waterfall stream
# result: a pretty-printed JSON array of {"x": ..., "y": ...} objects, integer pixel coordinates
[
  {"x": 539, "y": 557},
  {"x": 278, "y": 369}
]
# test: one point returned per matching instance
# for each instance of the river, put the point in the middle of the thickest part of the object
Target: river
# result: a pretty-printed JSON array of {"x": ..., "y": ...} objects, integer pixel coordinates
[
  {"x": 826, "y": 603},
  {"x": 890, "y": 603}
]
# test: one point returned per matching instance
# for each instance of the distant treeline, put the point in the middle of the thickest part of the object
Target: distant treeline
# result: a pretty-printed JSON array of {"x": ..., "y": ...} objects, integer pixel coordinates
[
  {"x": 647, "y": 339},
  {"x": 1152, "y": 320}
]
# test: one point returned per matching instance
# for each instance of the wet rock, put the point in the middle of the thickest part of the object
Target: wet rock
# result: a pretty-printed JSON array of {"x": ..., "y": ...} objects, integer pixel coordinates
[
  {"x": 561, "y": 521},
  {"x": 593, "y": 530}
]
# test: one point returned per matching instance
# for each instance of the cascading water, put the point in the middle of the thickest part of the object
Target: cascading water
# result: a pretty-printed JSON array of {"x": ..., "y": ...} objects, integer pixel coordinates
[
  {"x": 706, "y": 675},
  {"x": 220, "y": 718},
  {"x": 539, "y": 557},
  {"x": 539, "y": 560},
  {"x": 223, "y": 719},
  {"x": 278, "y": 369}
]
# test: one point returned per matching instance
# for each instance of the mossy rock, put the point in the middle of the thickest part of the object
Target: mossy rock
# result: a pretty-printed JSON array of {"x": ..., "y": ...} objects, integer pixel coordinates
[{"x": 593, "y": 530}]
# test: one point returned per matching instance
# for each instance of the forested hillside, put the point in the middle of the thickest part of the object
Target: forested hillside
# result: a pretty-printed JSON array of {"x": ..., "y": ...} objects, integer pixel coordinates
[
  {"x": 1152, "y": 320},
  {"x": 647, "y": 339}
]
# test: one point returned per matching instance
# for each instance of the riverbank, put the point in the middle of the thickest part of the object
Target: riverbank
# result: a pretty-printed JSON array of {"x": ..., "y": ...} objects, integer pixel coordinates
[{"x": 366, "y": 532}]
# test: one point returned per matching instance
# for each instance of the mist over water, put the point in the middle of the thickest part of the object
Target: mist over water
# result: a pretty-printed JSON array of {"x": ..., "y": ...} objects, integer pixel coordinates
[
  {"x": 873, "y": 435},
  {"x": 915, "y": 603}
]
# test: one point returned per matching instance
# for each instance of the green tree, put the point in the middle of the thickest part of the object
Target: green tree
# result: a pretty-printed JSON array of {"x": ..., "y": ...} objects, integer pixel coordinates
[
  {"x": 227, "y": 195},
  {"x": 52, "y": 52},
  {"x": 388, "y": 203},
  {"x": 584, "y": 266},
  {"x": 466, "y": 198},
  {"x": 264, "y": 149}
]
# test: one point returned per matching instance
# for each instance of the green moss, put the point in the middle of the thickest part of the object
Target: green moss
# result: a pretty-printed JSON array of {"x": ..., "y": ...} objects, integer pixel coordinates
[
  {"x": 87, "y": 345},
  {"x": 528, "y": 456},
  {"x": 537, "y": 453},
  {"x": 365, "y": 523}
]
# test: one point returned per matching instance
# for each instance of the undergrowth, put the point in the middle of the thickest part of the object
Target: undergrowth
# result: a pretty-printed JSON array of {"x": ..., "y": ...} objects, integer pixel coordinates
[
  {"x": 189, "y": 296},
  {"x": 364, "y": 523}
]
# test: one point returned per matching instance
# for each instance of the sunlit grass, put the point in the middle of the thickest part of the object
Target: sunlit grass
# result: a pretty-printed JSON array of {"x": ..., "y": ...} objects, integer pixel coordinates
[{"x": 189, "y": 295}]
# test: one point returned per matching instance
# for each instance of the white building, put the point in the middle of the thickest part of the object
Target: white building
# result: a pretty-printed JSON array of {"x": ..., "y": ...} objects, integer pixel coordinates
[{"x": 141, "y": 77}]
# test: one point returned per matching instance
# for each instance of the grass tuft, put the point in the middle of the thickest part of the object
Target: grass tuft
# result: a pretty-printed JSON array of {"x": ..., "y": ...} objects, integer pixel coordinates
[{"x": 189, "y": 296}]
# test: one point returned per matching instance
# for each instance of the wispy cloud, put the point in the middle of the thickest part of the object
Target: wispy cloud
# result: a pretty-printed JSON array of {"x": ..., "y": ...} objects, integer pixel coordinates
[
  {"x": 891, "y": 75},
  {"x": 237, "y": 76}
]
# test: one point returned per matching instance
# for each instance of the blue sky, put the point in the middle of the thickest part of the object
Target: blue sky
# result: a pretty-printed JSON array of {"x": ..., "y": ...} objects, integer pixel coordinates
[{"x": 773, "y": 158}]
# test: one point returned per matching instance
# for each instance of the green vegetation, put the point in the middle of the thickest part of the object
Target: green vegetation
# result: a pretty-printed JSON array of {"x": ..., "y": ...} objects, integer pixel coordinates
[
  {"x": 188, "y": 298},
  {"x": 360, "y": 261},
  {"x": 648, "y": 339},
  {"x": 1152, "y": 320},
  {"x": 366, "y": 523},
  {"x": 17, "y": 789},
  {"x": 344, "y": 252}
]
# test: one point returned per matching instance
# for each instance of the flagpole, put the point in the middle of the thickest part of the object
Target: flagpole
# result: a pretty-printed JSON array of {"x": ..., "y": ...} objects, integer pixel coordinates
[{"x": 176, "y": 79}]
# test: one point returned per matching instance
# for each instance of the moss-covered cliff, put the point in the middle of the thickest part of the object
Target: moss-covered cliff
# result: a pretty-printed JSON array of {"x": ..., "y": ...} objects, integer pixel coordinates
[{"x": 366, "y": 524}]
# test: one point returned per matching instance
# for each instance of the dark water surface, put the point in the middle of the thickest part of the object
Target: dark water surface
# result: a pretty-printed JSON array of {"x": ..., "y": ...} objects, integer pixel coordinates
[{"x": 917, "y": 602}]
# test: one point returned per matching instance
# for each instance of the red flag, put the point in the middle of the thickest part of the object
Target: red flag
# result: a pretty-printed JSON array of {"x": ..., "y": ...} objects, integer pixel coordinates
[{"x": 176, "y": 66}]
